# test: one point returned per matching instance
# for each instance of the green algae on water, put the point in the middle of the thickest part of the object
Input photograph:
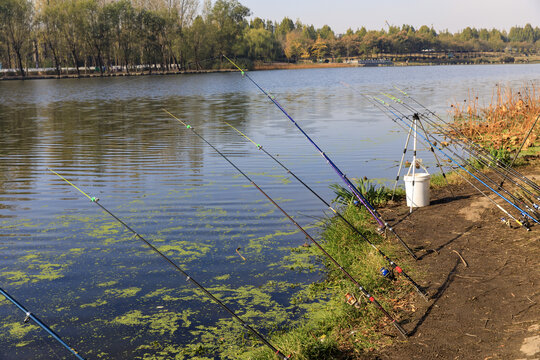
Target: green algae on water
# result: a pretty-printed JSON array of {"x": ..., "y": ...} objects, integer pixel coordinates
[
  {"x": 19, "y": 329},
  {"x": 123, "y": 293}
]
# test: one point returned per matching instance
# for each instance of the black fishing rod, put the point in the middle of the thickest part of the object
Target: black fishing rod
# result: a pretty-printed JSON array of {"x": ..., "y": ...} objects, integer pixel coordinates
[
  {"x": 484, "y": 176},
  {"x": 178, "y": 268},
  {"x": 521, "y": 147},
  {"x": 376, "y": 104},
  {"x": 393, "y": 265},
  {"x": 363, "y": 291},
  {"x": 523, "y": 212},
  {"x": 370, "y": 208},
  {"x": 494, "y": 164},
  {"x": 483, "y": 156},
  {"x": 475, "y": 149},
  {"x": 30, "y": 316}
]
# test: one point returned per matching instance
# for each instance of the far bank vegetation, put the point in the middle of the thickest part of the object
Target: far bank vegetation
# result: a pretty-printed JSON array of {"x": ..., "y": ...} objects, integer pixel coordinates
[{"x": 99, "y": 36}]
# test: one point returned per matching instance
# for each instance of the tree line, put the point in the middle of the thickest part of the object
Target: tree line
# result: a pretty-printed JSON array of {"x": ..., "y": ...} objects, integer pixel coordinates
[{"x": 176, "y": 35}]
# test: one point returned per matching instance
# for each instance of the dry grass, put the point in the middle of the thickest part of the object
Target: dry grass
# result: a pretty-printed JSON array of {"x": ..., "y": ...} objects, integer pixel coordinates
[{"x": 505, "y": 122}]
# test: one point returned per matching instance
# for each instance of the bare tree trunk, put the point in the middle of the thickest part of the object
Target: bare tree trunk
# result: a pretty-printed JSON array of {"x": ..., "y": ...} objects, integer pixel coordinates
[{"x": 19, "y": 60}]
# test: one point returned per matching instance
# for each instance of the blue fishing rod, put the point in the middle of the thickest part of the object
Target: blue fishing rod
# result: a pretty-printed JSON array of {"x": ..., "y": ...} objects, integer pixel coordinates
[
  {"x": 362, "y": 290},
  {"x": 530, "y": 210},
  {"x": 392, "y": 264},
  {"x": 383, "y": 224},
  {"x": 522, "y": 212},
  {"x": 473, "y": 148},
  {"x": 483, "y": 157},
  {"x": 378, "y": 105},
  {"x": 95, "y": 200},
  {"x": 30, "y": 316}
]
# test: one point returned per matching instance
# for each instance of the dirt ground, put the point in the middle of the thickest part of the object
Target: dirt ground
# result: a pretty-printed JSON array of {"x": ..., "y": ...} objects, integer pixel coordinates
[{"x": 488, "y": 308}]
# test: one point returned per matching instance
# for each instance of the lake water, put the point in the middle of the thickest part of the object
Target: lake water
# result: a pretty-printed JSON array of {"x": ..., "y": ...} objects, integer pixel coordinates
[{"x": 105, "y": 293}]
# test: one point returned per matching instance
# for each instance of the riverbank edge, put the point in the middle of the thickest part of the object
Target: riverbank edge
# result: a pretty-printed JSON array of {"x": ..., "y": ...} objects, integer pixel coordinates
[
  {"x": 338, "y": 330},
  {"x": 257, "y": 67}
]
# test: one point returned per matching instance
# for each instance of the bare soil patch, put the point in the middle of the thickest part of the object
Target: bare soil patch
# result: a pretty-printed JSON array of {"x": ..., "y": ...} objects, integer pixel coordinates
[{"x": 486, "y": 306}]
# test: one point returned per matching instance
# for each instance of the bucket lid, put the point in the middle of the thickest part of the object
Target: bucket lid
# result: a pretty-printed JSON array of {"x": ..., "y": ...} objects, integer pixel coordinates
[{"x": 417, "y": 177}]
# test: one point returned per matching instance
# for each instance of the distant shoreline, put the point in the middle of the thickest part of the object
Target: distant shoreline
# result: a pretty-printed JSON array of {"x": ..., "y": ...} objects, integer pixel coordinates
[{"x": 256, "y": 67}]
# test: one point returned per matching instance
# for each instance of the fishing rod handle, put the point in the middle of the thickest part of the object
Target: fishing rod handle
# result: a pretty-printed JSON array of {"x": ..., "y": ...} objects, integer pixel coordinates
[{"x": 400, "y": 329}]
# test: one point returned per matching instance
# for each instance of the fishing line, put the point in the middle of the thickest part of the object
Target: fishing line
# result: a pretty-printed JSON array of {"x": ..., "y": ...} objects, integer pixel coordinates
[
  {"x": 394, "y": 266},
  {"x": 480, "y": 156},
  {"x": 188, "y": 277},
  {"x": 363, "y": 291},
  {"x": 480, "y": 173},
  {"x": 463, "y": 168},
  {"x": 480, "y": 151},
  {"x": 521, "y": 147},
  {"x": 33, "y": 317},
  {"x": 457, "y": 172},
  {"x": 374, "y": 213}
]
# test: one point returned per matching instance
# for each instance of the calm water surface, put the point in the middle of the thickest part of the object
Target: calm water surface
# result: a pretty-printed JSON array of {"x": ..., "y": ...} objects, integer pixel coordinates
[{"x": 103, "y": 291}]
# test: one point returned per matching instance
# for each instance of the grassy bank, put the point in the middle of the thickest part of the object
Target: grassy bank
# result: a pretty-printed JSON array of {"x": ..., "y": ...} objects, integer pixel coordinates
[{"x": 333, "y": 329}]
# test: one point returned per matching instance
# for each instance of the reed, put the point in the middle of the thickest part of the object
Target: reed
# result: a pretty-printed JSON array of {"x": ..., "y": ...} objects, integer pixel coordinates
[{"x": 504, "y": 123}]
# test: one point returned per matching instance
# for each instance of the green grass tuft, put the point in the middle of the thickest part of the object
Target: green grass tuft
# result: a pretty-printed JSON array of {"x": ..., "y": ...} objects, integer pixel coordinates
[{"x": 376, "y": 194}]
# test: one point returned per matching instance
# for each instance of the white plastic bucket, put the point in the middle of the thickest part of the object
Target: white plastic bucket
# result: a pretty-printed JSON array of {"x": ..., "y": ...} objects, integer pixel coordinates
[{"x": 420, "y": 194}]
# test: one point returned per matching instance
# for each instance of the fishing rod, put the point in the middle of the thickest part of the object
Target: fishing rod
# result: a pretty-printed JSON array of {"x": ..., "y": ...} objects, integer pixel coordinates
[
  {"x": 521, "y": 147},
  {"x": 374, "y": 213},
  {"x": 481, "y": 174},
  {"x": 33, "y": 317},
  {"x": 524, "y": 213},
  {"x": 516, "y": 179},
  {"x": 393, "y": 265},
  {"x": 363, "y": 291},
  {"x": 95, "y": 200},
  {"x": 469, "y": 143},
  {"x": 482, "y": 156},
  {"x": 457, "y": 172}
]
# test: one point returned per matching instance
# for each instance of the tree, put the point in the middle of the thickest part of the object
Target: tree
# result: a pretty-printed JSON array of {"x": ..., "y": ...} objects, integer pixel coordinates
[
  {"x": 198, "y": 41},
  {"x": 97, "y": 28},
  {"x": 72, "y": 20},
  {"x": 16, "y": 21},
  {"x": 228, "y": 21},
  {"x": 284, "y": 27},
  {"x": 260, "y": 43},
  {"x": 50, "y": 30},
  {"x": 319, "y": 48},
  {"x": 257, "y": 23},
  {"x": 325, "y": 33},
  {"x": 296, "y": 45}
]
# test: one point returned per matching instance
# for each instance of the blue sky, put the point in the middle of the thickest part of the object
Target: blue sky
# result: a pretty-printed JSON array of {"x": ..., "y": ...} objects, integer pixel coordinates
[{"x": 453, "y": 15}]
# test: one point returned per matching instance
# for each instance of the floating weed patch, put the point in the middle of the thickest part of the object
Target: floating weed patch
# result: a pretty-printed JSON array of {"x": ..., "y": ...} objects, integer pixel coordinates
[
  {"x": 265, "y": 214},
  {"x": 15, "y": 277},
  {"x": 158, "y": 292},
  {"x": 36, "y": 270},
  {"x": 123, "y": 293},
  {"x": 257, "y": 244},
  {"x": 77, "y": 251},
  {"x": 47, "y": 271},
  {"x": 131, "y": 318},
  {"x": 108, "y": 283},
  {"x": 211, "y": 212},
  {"x": 19, "y": 329},
  {"x": 222, "y": 277},
  {"x": 171, "y": 229},
  {"x": 163, "y": 322},
  {"x": 187, "y": 250},
  {"x": 96, "y": 303}
]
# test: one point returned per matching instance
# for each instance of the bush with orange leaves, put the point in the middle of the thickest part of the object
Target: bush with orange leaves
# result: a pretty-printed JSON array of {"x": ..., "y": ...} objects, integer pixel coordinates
[{"x": 503, "y": 124}]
